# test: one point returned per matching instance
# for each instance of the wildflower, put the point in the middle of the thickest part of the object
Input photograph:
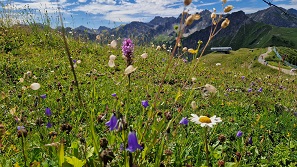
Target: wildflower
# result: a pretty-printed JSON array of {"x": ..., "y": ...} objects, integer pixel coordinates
[
  {"x": 114, "y": 95},
  {"x": 113, "y": 44},
  {"x": 129, "y": 69},
  {"x": 127, "y": 48},
  {"x": 185, "y": 49},
  {"x": 144, "y": 103},
  {"x": 184, "y": 121},
  {"x": 222, "y": 138},
  {"x": 112, "y": 57},
  {"x": 98, "y": 38},
  {"x": 250, "y": 90},
  {"x": 78, "y": 62},
  {"x": 242, "y": 77},
  {"x": 22, "y": 132},
  {"x": 228, "y": 8},
  {"x": 218, "y": 64},
  {"x": 192, "y": 51},
  {"x": 103, "y": 143},
  {"x": 133, "y": 142},
  {"x": 35, "y": 86},
  {"x": 260, "y": 90},
  {"x": 48, "y": 111},
  {"x": 74, "y": 61},
  {"x": 20, "y": 127},
  {"x": 144, "y": 55},
  {"x": 111, "y": 60},
  {"x": 187, "y": 2},
  {"x": 21, "y": 79},
  {"x": 250, "y": 141},
  {"x": 239, "y": 133},
  {"x": 164, "y": 46},
  {"x": 193, "y": 105},
  {"x": 43, "y": 96},
  {"x": 112, "y": 123},
  {"x": 49, "y": 125},
  {"x": 210, "y": 88},
  {"x": 189, "y": 20},
  {"x": 158, "y": 48},
  {"x": 225, "y": 23},
  {"x": 213, "y": 15},
  {"x": 205, "y": 121}
]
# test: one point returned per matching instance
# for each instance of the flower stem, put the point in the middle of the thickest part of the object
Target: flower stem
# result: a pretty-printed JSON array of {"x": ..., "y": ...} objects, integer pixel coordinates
[
  {"x": 70, "y": 59},
  {"x": 206, "y": 146},
  {"x": 23, "y": 147}
]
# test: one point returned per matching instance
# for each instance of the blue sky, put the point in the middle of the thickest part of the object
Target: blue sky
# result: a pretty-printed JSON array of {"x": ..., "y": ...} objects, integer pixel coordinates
[{"x": 112, "y": 13}]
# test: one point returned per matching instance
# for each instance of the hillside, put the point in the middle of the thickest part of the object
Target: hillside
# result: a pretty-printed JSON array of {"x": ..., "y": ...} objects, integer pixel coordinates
[{"x": 72, "y": 108}]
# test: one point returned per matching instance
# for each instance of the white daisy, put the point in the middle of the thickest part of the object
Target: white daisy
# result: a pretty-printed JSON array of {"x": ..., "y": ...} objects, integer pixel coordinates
[{"x": 205, "y": 121}]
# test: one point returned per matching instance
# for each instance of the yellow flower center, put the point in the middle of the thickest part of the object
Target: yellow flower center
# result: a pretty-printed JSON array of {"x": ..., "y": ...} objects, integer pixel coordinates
[{"x": 204, "y": 119}]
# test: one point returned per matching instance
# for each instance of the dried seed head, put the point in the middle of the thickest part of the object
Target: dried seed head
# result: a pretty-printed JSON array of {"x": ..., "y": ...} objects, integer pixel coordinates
[
  {"x": 225, "y": 23},
  {"x": 213, "y": 15},
  {"x": 22, "y": 132},
  {"x": 103, "y": 143},
  {"x": 187, "y": 2},
  {"x": 190, "y": 20},
  {"x": 224, "y": 1},
  {"x": 228, "y": 8}
]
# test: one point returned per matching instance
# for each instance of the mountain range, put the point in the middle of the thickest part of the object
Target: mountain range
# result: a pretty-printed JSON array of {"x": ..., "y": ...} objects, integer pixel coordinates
[{"x": 263, "y": 28}]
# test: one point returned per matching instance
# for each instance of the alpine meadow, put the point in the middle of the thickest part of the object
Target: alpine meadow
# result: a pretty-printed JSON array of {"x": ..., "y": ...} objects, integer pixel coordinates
[{"x": 136, "y": 96}]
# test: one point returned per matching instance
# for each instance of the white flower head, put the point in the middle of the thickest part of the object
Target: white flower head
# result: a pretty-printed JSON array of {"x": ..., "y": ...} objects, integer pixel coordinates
[
  {"x": 111, "y": 63},
  {"x": 218, "y": 64},
  {"x": 210, "y": 88},
  {"x": 112, "y": 57},
  {"x": 144, "y": 55},
  {"x": 35, "y": 86},
  {"x": 113, "y": 44},
  {"x": 129, "y": 70},
  {"x": 194, "y": 105},
  {"x": 205, "y": 121},
  {"x": 158, "y": 48},
  {"x": 21, "y": 79}
]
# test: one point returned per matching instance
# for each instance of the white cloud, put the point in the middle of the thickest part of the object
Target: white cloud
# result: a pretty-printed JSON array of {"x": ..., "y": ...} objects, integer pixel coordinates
[
  {"x": 140, "y": 10},
  {"x": 82, "y": 1}
]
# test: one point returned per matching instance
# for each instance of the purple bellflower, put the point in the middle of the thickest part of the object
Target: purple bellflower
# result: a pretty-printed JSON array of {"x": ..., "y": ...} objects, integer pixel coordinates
[
  {"x": 20, "y": 127},
  {"x": 43, "y": 96},
  {"x": 48, "y": 111},
  {"x": 250, "y": 141},
  {"x": 144, "y": 103},
  {"x": 49, "y": 125},
  {"x": 239, "y": 133},
  {"x": 112, "y": 123},
  {"x": 133, "y": 142},
  {"x": 260, "y": 90},
  {"x": 184, "y": 121}
]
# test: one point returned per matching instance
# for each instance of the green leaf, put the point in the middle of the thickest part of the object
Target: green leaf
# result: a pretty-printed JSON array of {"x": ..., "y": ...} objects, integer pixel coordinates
[
  {"x": 230, "y": 164},
  {"x": 75, "y": 161},
  {"x": 90, "y": 152},
  {"x": 61, "y": 154}
]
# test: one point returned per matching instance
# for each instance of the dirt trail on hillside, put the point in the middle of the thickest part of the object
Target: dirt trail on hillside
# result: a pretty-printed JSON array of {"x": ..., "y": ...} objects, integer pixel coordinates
[{"x": 261, "y": 60}]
